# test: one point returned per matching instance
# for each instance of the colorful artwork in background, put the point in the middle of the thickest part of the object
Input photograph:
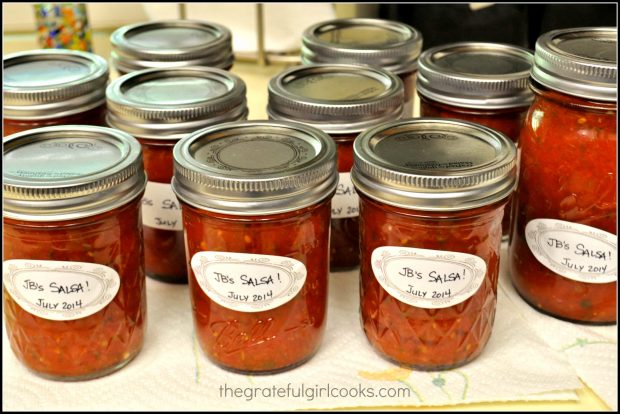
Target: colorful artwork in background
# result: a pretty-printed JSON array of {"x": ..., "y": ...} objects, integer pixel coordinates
[{"x": 63, "y": 26}]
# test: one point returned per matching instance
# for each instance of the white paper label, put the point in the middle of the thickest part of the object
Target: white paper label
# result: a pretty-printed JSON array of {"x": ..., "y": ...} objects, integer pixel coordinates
[
  {"x": 428, "y": 278},
  {"x": 160, "y": 207},
  {"x": 346, "y": 202},
  {"x": 60, "y": 291},
  {"x": 575, "y": 251},
  {"x": 248, "y": 282}
]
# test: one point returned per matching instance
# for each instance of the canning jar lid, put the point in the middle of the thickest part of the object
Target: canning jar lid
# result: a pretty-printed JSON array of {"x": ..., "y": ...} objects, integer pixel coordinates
[
  {"x": 52, "y": 83},
  {"x": 434, "y": 164},
  {"x": 579, "y": 61},
  {"x": 70, "y": 171},
  {"x": 171, "y": 44},
  {"x": 394, "y": 46},
  {"x": 336, "y": 98},
  {"x": 476, "y": 75},
  {"x": 255, "y": 167},
  {"x": 170, "y": 103}
]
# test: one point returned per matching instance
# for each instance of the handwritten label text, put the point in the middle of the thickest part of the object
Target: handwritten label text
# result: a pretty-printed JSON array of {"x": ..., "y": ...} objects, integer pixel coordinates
[
  {"x": 248, "y": 282},
  {"x": 573, "y": 250},
  {"x": 160, "y": 207},
  {"x": 428, "y": 278},
  {"x": 60, "y": 290},
  {"x": 345, "y": 203}
]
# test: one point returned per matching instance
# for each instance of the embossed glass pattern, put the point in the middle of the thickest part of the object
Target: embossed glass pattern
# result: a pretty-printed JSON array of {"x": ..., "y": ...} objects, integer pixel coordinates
[
  {"x": 257, "y": 188},
  {"x": 429, "y": 338},
  {"x": 569, "y": 174},
  {"x": 72, "y": 194},
  {"x": 438, "y": 185},
  {"x": 97, "y": 344},
  {"x": 271, "y": 340},
  {"x": 568, "y": 168}
]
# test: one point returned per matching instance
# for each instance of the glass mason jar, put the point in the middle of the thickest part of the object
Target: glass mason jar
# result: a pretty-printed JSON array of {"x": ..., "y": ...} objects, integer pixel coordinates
[
  {"x": 53, "y": 87},
  {"x": 159, "y": 107},
  {"x": 73, "y": 270},
  {"x": 393, "y": 46},
  {"x": 563, "y": 247},
  {"x": 256, "y": 210},
  {"x": 341, "y": 100},
  {"x": 485, "y": 83},
  {"x": 432, "y": 195},
  {"x": 171, "y": 44}
]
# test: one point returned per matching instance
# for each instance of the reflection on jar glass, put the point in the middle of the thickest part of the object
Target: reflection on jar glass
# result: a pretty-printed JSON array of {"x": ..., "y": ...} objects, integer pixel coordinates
[
  {"x": 159, "y": 107},
  {"x": 341, "y": 100},
  {"x": 53, "y": 87},
  {"x": 563, "y": 247},
  {"x": 393, "y": 46},
  {"x": 432, "y": 196},
  {"x": 485, "y": 83},
  {"x": 73, "y": 271},
  {"x": 256, "y": 209}
]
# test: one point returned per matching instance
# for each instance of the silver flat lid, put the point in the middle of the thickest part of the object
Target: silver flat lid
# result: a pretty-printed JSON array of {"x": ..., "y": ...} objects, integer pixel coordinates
[
  {"x": 476, "y": 75},
  {"x": 171, "y": 44},
  {"x": 70, "y": 171},
  {"x": 394, "y": 46},
  {"x": 52, "y": 83},
  {"x": 336, "y": 98},
  {"x": 580, "y": 62},
  {"x": 434, "y": 164},
  {"x": 171, "y": 103},
  {"x": 255, "y": 167}
]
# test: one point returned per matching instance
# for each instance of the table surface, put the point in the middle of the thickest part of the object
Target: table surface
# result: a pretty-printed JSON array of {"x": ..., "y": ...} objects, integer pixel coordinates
[{"x": 256, "y": 78}]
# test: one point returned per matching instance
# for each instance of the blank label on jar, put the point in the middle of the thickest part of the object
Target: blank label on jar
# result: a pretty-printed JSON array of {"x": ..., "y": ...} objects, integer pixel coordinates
[
  {"x": 428, "y": 278},
  {"x": 248, "y": 282},
  {"x": 346, "y": 202},
  {"x": 161, "y": 208},
  {"x": 575, "y": 251},
  {"x": 60, "y": 291}
]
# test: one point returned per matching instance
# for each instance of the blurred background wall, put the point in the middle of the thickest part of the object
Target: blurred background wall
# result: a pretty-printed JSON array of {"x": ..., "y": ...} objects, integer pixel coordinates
[
  {"x": 519, "y": 24},
  {"x": 515, "y": 23}
]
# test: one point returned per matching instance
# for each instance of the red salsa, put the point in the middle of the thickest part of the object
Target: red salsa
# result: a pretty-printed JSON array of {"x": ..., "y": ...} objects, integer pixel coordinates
[
  {"x": 485, "y": 83},
  {"x": 430, "y": 243},
  {"x": 95, "y": 116},
  {"x": 508, "y": 121},
  {"x": 279, "y": 338},
  {"x": 344, "y": 240},
  {"x": 97, "y": 344},
  {"x": 565, "y": 205},
  {"x": 569, "y": 174},
  {"x": 341, "y": 100},
  {"x": 69, "y": 224},
  {"x": 159, "y": 107},
  {"x": 256, "y": 210},
  {"x": 164, "y": 250},
  {"x": 415, "y": 336}
]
